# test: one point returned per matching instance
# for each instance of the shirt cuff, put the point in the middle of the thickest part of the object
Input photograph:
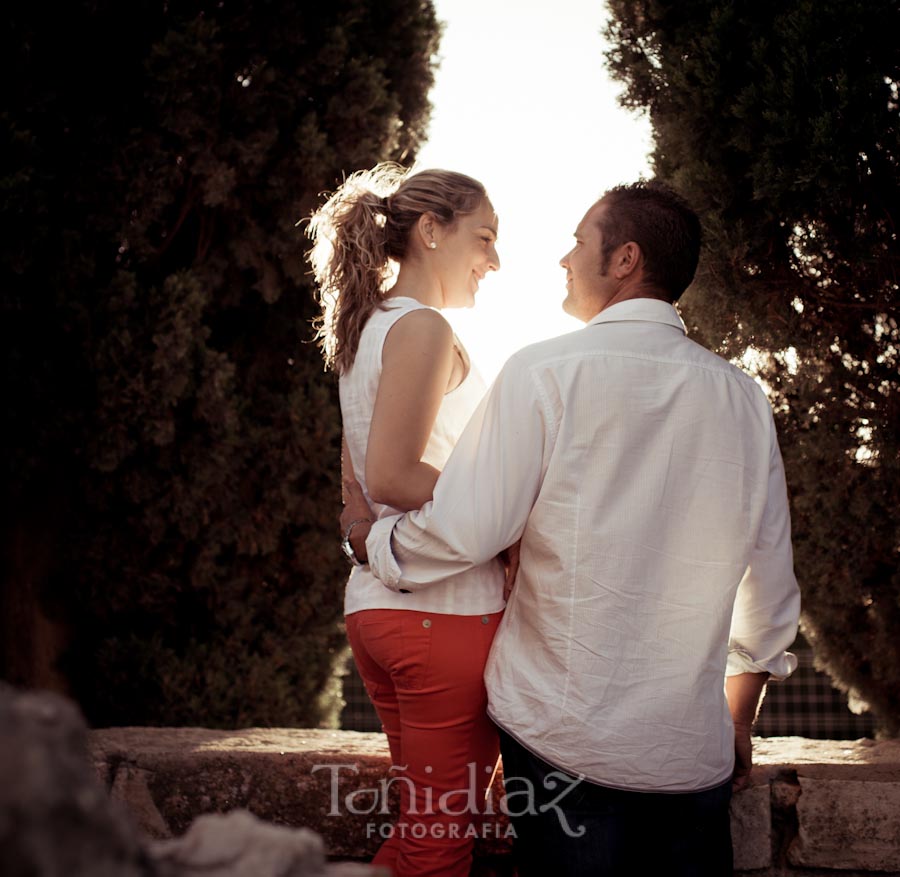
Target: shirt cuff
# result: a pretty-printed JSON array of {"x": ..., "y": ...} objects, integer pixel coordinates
[
  {"x": 778, "y": 668},
  {"x": 381, "y": 557}
]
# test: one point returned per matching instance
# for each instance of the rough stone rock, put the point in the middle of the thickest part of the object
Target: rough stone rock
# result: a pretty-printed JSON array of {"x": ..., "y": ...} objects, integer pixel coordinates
[
  {"x": 129, "y": 787},
  {"x": 862, "y": 759},
  {"x": 751, "y": 828},
  {"x": 55, "y": 819},
  {"x": 237, "y": 844},
  {"x": 848, "y": 825}
]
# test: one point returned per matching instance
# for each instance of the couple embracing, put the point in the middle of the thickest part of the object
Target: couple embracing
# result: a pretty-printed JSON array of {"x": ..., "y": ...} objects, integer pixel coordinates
[{"x": 589, "y": 567}]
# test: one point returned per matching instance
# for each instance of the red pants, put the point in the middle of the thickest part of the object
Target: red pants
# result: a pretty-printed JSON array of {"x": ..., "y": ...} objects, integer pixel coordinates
[{"x": 424, "y": 674}]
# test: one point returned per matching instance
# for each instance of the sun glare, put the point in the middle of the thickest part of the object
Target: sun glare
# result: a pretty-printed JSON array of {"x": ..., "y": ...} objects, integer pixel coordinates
[{"x": 522, "y": 101}]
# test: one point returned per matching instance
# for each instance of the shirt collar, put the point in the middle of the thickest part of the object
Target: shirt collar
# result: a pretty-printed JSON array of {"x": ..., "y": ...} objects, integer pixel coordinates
[{"x": 650, "y": 310}]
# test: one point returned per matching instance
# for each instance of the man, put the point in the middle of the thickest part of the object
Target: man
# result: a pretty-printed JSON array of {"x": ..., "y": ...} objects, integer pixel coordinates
[{"x": 643, "y": 476}]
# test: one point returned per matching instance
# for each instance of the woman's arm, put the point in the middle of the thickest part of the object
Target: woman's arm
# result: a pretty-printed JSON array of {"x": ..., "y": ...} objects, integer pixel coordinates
[{"x": 417, "y": 361}]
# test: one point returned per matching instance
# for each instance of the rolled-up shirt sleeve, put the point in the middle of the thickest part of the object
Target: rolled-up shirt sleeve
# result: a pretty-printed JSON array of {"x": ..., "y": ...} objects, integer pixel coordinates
[
  {"x": 484, "y": 494},
  {"x": 767, "y": 605}
]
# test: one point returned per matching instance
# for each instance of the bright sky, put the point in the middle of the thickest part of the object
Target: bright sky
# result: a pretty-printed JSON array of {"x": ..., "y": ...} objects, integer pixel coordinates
[{"x": 522, "y": 101}]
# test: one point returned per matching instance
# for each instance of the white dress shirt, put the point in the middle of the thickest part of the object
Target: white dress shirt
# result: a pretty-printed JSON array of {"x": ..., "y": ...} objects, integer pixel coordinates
[
  {"x": 644, "y": 477},
  {"x": 476, "y": 591}
]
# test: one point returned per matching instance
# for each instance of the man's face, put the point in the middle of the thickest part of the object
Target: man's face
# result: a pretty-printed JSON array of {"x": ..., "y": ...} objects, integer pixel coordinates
[{"x": 588, "y": 283}]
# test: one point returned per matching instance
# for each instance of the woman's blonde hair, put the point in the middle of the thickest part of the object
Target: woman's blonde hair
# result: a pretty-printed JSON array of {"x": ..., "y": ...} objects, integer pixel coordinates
[{"x": 364, "y": 225}]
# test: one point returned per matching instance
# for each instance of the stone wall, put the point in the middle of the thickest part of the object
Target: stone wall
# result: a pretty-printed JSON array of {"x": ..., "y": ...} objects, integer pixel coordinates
[{"x": 814, "y": 807}]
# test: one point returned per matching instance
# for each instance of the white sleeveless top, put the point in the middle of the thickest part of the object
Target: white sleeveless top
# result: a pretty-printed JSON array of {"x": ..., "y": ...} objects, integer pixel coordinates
[{"x": 477, "y": 591}]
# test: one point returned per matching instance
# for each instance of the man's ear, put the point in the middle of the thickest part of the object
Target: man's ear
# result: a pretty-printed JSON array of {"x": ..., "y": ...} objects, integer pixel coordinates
[{"x": 626, "y": 260}]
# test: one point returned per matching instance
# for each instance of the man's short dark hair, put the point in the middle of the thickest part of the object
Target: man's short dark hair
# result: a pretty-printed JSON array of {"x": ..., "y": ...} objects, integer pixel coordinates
[{"x": 662, "y": 224}]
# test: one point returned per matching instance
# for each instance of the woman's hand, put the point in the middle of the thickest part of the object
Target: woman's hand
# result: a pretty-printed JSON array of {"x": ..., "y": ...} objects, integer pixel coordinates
[{"x": 509, "y": 557}]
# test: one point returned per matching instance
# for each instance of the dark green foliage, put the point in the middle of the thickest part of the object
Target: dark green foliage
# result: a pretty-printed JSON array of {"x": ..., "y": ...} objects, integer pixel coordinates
[
  {"x": 779, "y": 121},
  {"x": 167, "y": 412}
]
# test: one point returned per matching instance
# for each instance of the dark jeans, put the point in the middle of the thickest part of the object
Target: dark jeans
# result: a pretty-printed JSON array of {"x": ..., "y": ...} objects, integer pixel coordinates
[{"x": 564, "y": 829}]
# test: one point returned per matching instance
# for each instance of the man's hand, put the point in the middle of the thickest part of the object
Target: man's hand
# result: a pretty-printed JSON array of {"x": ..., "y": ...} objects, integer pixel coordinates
[
  {"x": 509, "y": 557},
  {"x": 743, "y": 757},
  {"x": 356, "y": 508}
]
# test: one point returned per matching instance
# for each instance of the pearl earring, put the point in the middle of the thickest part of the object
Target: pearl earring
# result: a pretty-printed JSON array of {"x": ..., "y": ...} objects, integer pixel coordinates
[{"x": 433, "y": 245}]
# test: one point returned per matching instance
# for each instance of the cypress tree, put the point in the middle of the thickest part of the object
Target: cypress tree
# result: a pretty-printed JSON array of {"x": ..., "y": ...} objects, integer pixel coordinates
[{"x": 174, "y": 459}]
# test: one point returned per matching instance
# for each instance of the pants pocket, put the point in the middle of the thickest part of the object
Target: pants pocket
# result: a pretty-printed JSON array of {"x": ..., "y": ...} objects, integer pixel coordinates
[{"x": 410, "y": 668}]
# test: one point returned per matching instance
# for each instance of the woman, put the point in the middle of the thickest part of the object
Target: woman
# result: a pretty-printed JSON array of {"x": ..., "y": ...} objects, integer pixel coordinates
[{"x": 407, "y": 389}]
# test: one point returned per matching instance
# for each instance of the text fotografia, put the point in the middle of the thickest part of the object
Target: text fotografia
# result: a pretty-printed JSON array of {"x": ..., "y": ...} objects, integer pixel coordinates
[
  {"x": 520, "y": 798},
  {"x": 438, "y": 830}
]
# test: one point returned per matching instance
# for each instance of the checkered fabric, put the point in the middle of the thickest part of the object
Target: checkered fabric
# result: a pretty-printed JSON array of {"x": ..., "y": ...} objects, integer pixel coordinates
[
  {"x": 804, "y": 705},
  {"x": 358, "y": 713},
  {"x": 807, "y": 705}
]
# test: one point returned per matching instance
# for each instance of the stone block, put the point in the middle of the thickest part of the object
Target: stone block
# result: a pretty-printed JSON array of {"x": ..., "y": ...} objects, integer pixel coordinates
[
  {"x": 849, "y": 825},
  {"x": 751, "y": 828},
  {"x": 862, "y": 759}
]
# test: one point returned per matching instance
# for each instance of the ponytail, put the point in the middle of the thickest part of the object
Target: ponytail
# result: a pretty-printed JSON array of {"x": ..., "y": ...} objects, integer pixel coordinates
[{"x": 350, "y": 261}]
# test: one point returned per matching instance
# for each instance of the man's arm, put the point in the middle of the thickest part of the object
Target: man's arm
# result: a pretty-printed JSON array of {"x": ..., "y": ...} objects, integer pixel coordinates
[
  {"x": 765, "y": 618},
  {"x": 744, "y": 693},
  {"x": 483, "y": 497},
  {"x": 767, "y": 604}
]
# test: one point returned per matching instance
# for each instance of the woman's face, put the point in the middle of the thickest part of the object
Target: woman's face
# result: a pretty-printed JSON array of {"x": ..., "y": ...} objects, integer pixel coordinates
[{"x": 464, "y": 255}]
